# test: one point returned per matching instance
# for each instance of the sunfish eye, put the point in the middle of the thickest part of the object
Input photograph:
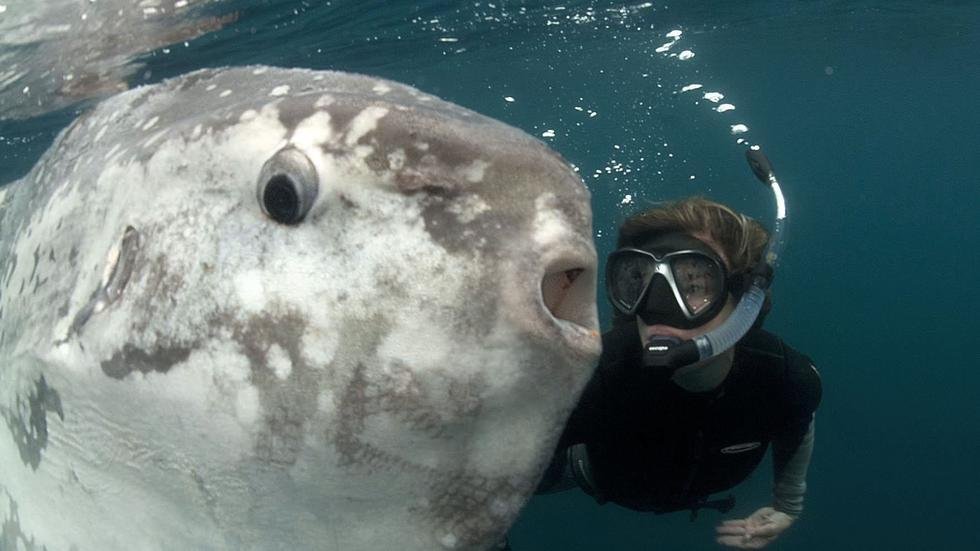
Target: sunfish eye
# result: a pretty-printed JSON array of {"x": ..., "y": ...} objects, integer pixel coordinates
[
  {"x": 281, "y": 200},
  {"x": 287, "y": 186}
]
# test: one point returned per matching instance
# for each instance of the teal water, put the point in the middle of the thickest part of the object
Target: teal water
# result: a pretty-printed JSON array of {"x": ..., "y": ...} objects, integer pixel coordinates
[{"x": 869, "y": 113}]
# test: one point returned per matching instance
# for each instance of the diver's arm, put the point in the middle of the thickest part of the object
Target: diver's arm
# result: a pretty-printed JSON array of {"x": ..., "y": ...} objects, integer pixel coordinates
[
  {"x": 791, "y": 457},
  {"x": 790, "y": 461}
]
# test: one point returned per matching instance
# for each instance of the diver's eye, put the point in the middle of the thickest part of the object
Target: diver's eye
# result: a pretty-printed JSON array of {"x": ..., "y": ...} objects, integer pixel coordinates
[{"x": 287, "y": 186}]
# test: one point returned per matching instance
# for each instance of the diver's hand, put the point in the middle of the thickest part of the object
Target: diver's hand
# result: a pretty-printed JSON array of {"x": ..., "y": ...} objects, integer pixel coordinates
[{"x": 755, "y": 532}]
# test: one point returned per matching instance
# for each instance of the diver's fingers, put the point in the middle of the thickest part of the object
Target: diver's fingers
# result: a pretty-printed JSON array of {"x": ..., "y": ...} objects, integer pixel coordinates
[
  {"x": 731, "y": 528},
  {"x": 730, "y": 541},
  {"x": 767, "y": 530},
  {"x": 742, "y": 542},
  {"x": 735, "y": 522}
]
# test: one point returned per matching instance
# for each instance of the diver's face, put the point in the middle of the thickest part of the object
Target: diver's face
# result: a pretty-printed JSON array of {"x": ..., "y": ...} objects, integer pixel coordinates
[{"x": 649, "y": 331}]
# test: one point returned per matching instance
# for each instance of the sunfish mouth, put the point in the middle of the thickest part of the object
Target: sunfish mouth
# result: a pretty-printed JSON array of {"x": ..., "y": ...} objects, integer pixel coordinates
[{"x": 567, "y": 291}]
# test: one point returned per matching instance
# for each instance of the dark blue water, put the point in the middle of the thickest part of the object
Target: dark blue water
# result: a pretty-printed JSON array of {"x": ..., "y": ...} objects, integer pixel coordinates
[{"x": 869, "y": 113}]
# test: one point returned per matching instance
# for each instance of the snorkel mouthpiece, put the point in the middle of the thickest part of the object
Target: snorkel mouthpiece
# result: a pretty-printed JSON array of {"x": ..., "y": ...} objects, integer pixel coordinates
[{"x": 669, "y": 352}]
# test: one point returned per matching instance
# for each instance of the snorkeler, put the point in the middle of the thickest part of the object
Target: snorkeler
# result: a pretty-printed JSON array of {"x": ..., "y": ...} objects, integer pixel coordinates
[{"x": 690, "y": 391}]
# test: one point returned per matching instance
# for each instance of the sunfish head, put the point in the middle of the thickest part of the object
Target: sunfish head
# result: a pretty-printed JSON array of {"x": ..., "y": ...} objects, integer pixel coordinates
[{"x": 294, "y": 309}]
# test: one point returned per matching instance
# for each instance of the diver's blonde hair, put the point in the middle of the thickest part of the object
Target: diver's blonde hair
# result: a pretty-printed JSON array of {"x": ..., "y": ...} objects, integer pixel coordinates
[{"x": 741, "y": 238}]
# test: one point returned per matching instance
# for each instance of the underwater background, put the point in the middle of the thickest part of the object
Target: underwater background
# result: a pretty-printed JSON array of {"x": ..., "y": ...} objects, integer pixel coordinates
[{"x": 869, "y": 113}]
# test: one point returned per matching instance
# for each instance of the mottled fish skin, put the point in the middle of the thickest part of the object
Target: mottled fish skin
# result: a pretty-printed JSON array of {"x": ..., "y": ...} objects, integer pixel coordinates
[
  {"x": 56, "y": 53},
  {"x": 178, "y": 370}
]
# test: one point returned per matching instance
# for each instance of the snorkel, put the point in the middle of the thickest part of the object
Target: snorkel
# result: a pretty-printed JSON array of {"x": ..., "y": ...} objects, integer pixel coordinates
[{"x": 672, "y": 353}]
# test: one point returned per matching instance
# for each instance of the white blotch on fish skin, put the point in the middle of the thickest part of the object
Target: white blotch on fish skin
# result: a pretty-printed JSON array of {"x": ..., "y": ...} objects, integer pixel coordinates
[
  {"x": 250, "y": 290},
  {"x": 101, "y": 132},
  {"x": 627, "y": 200},
  {"x": 280, "y": 90},
  {"x": 231, "y": 375},
  {"x": 417, "y": 345},
  {"x": 248, "y": 115},
  {"x": 3, "y": 8},
  {"x": 363, "y": 151},
  {"x": 229, "y": 365},
  {"x": 549, "y": 225},
  {"x": 549, "y": 133},
  {"x": 325, "y": 405},
  {"x": 196, "y": 133},
  {"x": 685, "y": 55},
  {"x": 739, "y": 128},
  {"x": 224, "y": 94},
  {"x": 180, "y": 4},
  {"x": 313, "y": 131},
  {"x": 210, "y": 87},
  {"x": 691, "y": 87},
  {"x": 10, "y": 77},
  {"x": 247, "y": 405},
  {"x": 675, "y": 34},
  {"x": 319, "y": 348},
  {"x": 714, "y": 97},
  {"x": 449, "y": 541},
  {"x": 501, "y": 508},
  {"x": 324, "y": 101},
  {"x": 396, "y": 159},
  {"x": 381, "y": 89},
  {"x": 279, "y": 361},
  {"x": 468, "y": 208},
  {"x": 152, "y": 139},
  {"x": 260, "y": 71},
  {"x": 509, "y": 99},
  {"x": 363, "y": 123},
  {"x": 475, "y": 171},
  {"x": 664, "y": 48},
  {"x": 111, "y": 152},
  {"x": 725, "y": 107}
]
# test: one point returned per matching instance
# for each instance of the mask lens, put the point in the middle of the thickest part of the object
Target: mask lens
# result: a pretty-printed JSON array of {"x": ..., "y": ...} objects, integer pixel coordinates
[
  {"x": 699, "y": 280},
  {"x": 627, "y": 277}
]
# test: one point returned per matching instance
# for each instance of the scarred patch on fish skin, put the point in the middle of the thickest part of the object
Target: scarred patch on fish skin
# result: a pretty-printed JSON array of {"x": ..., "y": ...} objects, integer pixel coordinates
[
  {"x": 28, "y": 421},
  {"x": 132, "y": 359}
]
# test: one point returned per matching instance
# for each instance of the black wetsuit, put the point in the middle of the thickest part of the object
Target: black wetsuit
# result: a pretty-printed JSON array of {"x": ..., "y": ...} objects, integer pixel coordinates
[{"x": 652, "y": 446}]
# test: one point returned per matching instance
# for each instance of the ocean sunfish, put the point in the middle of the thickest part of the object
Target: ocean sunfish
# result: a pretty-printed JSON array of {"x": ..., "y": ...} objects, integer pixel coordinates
[{"x": 259, "y": 308}]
